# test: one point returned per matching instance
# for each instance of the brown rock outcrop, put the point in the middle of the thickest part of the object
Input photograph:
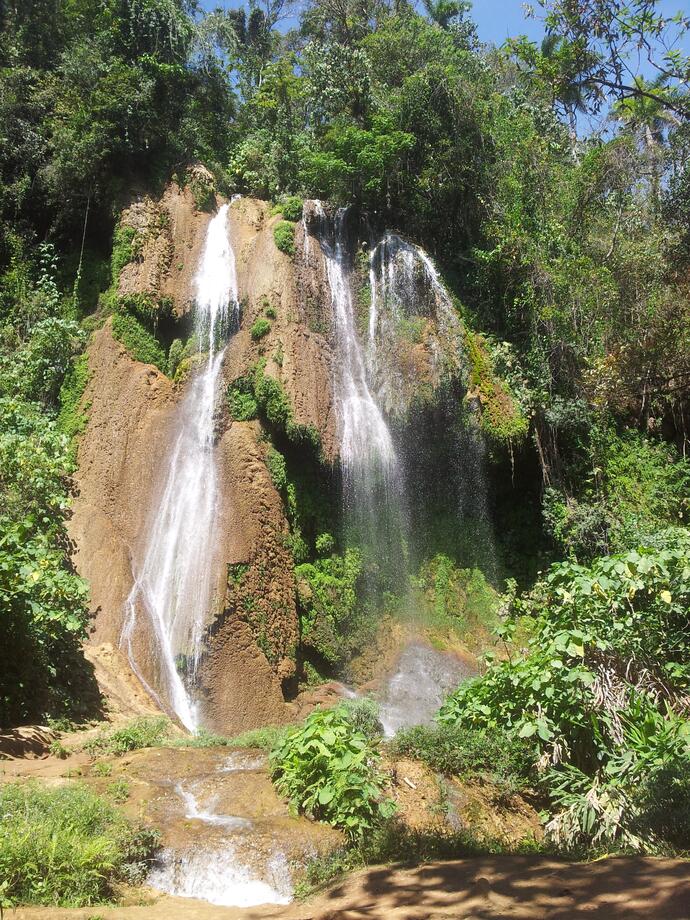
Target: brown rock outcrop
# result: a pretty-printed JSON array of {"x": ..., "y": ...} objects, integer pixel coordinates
[{"x": 253, "y": 634}]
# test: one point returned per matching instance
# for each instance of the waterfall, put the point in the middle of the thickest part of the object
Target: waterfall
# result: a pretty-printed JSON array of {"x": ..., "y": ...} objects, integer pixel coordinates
[
  {"x": 401, "y": 278},
  {"x": 173, "y": 584},
  {"x": 366, "y": 445}
]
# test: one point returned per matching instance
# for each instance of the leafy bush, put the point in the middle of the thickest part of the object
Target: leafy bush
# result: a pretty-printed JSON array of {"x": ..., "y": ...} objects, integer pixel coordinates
[
  {"x": 241, "y": 400},
  {"x": 175, "y": 356},
  {"x": 203, "y": 191},
  {"x": 139, "y": 342},
  {"x": 66, "y": 846},
  {"x": 330, "y": 616},
  {"x": 122, "y": 252},
  {"x": 277, "y": 469},
  {"x": 266, "y": 738},
  {"x": 141, "y": 733},
  {"x": 461, "y": 597},
  {"x": 459, "y": 751},
  {"x": 328, "y": 768},
  {"x": 284, "y": 236},
  {"x": 290, "y": 207},
  {"x": 607, "y": 660},
  {"x": 260, "y": 328},
  {"x": 44, "y": 611}
]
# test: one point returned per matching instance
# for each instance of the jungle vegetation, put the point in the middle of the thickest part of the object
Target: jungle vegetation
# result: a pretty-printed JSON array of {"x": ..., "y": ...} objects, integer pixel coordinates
[{"x": 567, "y": 248}]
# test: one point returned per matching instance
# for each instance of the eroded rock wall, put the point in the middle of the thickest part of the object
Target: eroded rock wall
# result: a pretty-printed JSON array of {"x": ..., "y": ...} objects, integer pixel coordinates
[{"x": 123, "y": 455}]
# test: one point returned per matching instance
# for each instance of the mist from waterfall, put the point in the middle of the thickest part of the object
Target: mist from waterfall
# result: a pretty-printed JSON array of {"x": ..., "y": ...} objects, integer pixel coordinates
[
  {"x": 373, "y": 484},
  {"x": 405, "y": 282},
  {"x": 173, "y": 583}
]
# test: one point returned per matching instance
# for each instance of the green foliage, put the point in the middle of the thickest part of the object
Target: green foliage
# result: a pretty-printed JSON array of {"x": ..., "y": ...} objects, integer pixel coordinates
[
  {"x": 290, "y": 207},
  {"x": 325, "y": 544},
  {"x": 640, "y": 485},
  {"x": 461, "y": 597},
  {"x": 241, "y": 400},
  {"x": 264, "y": 739},
  {"x": 43, "y": 602},
  {"x": 467, "y": 752},
  {"x": 203, "y": 190},
  {"x": 328, "y": 768},
  {"x": 332, "y": 622},
  {"x": 119, "y": 791},
  {"x": 284, "y": 236},
  {"x": 607, "y": 657},
  {"x": 73, "y": 417},
  {"x": 175, "y": 356},
  {"x": 500, "y": 414},
  {"x": 260, "y": 328},
  {"x": 67, "y": 847},
  {"x": 275, "y": 462},
  {"x": 141, "y": 733},
  {"x": 122, "y": 252},
  {"x": 139, "y": 342}
]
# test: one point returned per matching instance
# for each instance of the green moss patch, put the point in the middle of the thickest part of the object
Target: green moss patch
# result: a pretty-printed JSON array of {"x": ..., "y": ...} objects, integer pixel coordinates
[{"x": 501, "y": 417}]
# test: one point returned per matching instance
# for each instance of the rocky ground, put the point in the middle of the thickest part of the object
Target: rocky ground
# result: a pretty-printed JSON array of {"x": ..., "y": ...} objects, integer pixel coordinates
[{"x": 487, "y": 888}]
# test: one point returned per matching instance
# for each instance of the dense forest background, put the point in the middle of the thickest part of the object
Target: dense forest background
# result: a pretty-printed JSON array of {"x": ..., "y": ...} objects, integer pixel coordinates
[{"x": 570, "y": 254}]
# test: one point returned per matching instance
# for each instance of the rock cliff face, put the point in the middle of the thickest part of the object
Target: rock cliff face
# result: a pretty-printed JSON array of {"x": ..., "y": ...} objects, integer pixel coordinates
[
  {"x": 124, "y": 450},
  {"x": 252, "y": 634}
]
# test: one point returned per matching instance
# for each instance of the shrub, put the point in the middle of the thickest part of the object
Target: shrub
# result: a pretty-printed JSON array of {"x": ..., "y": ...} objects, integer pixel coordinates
[
  {"x": 284, "y": 236},
  {"x": 290, "y": 207},
  {"x": 139, "y": 342},
  {"x": 329, "y": 613},
  {"x": 459, "y": 751},
  {"x": 141, "y": 733},
  {"x": 203, "y": 191},
  {"x": 123, "y": 252},
  {"x": 241, "y": 400},
  {"x": 325, "y": 544},
  {"x": 67, "y": 846},
  {"x": 608, "y": 657},
  {"x": 328, "y": 768},
  {"x": 271, "y": 313},
  {"x": 175, "y": 356},
  {"x": 260, "y": 328},
  {"x": 277, "y": 469},
  {"x": 44, "y": 609}
]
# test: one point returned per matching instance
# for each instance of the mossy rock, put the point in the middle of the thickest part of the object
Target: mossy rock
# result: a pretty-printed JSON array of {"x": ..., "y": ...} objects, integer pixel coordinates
[{"x": 501, "y": 417}]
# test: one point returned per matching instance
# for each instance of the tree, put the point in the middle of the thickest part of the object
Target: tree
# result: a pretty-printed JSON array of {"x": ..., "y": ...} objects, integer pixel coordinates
[{"x": 610, "y": 38}]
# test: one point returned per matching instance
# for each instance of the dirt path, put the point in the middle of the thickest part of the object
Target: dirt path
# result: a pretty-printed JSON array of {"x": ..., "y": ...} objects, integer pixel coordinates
[{"x": 488, "y": 888}]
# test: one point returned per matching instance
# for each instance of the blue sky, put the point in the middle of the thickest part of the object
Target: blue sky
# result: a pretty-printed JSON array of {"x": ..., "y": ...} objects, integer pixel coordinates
[{"x": 496, "y": 19}]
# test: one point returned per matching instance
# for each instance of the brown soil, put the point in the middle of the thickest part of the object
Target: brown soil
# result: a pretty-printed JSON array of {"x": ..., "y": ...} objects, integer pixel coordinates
[{"x": 487, "y": 888}]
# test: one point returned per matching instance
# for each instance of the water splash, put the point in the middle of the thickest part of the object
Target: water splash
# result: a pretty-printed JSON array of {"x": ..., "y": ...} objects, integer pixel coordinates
[
  {"x": 219, "y": 878},
  {"x": 173, "y": 584},
  {"x": 404, "y": 284},
  {"x": 415, "y": 690},
  {"x": 213, "y": 868},
  {"x": 207, "y": 813}
]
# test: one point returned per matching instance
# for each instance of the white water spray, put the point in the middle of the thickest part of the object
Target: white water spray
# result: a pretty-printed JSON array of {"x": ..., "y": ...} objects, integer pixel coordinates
[{"x": 173, "y": 585}]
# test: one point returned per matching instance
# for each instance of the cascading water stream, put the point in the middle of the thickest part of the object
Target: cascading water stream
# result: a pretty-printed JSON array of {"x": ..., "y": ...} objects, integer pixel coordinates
[
  {"x": 366, "y": 443},
  {"x": 173, "y": 584}
]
